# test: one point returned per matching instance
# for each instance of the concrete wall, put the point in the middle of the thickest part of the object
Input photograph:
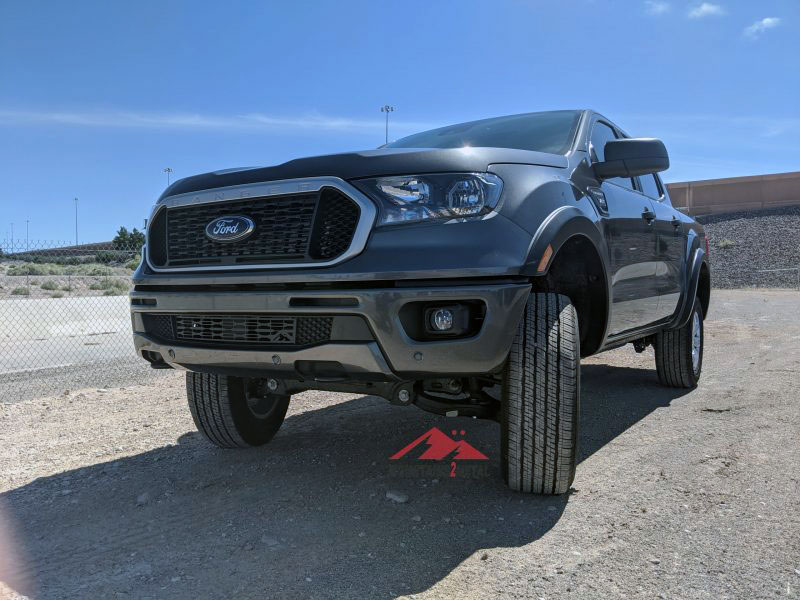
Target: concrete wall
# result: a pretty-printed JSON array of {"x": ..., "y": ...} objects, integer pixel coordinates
[{"x": 714, "y": 196}]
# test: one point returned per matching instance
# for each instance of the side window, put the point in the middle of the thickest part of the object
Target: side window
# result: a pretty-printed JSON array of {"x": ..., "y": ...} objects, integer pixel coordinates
[
  {"x": 602, "y": 133},
  {"x": 650, "y": 186}
]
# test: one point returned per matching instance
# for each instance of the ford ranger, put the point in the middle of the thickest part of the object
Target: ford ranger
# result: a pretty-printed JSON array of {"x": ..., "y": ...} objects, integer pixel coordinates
[{"x": 465, "y": 270}]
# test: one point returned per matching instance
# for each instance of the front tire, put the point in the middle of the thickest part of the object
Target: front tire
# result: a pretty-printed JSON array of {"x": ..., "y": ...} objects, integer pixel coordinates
[
  {"x": 234, "y": 412},
  {"x": 679, "y": 352},
  {"x": 540, "y": 398}
]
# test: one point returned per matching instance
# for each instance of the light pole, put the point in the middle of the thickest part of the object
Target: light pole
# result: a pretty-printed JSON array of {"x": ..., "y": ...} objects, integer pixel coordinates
[
  {"x": 168, "y": 170},
  {"x": 76, "y": 221},
  {"x": 12, "y": 237},
  {"x": 27, "y": 245},
  {"x": 387, "y": 109}
]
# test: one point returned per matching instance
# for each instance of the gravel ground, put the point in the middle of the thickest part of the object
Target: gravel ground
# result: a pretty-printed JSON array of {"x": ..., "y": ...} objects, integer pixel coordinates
[
  {"x": 745, "y": 242},
  {"x": 112, "y": 493},
  {"x": 41, "y": 383}
]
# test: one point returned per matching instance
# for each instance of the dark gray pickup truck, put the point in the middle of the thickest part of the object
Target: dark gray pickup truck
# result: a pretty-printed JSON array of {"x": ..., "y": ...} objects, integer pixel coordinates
[{"x": 465, "y": 270}]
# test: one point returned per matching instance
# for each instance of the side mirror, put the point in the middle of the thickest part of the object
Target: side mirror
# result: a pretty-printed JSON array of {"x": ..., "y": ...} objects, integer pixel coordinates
[{"x": 631, "y": 157}]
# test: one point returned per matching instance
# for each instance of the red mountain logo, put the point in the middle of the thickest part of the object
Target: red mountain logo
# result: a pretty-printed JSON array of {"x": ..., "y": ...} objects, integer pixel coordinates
[{"x": 441, "y": 446}]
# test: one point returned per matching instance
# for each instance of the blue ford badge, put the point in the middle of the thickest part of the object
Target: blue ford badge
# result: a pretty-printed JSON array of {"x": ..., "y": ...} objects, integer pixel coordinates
[{"x": 230, "y": 229}]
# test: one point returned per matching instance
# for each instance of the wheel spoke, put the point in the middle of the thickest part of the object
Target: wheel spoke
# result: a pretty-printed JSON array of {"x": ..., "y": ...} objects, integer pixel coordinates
[{"x": 695, "y": 342}]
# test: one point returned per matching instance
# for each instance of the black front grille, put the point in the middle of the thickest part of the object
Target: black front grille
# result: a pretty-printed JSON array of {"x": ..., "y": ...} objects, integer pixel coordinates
[
  {"x": 236, "y": 329},
  {"x": 309, "y": 227}
]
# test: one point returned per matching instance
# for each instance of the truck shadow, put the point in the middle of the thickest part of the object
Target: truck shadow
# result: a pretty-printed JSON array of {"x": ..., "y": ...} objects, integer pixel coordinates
[{"x": 306, "y": 516}]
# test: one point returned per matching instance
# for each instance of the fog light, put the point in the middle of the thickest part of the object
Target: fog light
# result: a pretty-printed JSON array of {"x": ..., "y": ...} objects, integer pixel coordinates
[
  {"x": 446, "y": 321},
  {"x": 442, "y": 319}
]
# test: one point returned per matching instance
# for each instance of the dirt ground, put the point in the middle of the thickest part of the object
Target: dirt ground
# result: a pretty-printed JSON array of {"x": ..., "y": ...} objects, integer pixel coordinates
[{"x": 112, "y": 492}]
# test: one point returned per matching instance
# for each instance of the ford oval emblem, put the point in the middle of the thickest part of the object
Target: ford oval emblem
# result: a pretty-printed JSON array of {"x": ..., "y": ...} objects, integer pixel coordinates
[{"x": 230, "y": 229}]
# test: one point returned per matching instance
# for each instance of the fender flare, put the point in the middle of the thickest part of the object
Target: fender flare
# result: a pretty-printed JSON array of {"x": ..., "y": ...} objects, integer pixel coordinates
[
  {"x": 558, "y": 227},
  {"x": 690, "y": 290}
]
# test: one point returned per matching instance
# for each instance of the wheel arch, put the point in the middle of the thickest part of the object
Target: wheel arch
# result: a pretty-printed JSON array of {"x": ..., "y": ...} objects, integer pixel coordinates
[
  {"x": 698, "y": 285},
  {"x": 704, "y": 287},
  {"x": 577, "y": 268}
]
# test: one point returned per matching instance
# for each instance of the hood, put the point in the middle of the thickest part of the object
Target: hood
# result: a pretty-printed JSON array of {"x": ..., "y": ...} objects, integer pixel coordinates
[{"x": 369, "y": 163}]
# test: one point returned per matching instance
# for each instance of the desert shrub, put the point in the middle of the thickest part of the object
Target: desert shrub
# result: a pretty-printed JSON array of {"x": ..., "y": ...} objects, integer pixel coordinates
[
  {"x": 133, "y": 264},
  {"x": 20, "y": 291},
  {"x": 110, "y": 284},
  {"x": 18, "y": 269},
  {"x": 49, "y": 285},
  {"x": 92, "y": 270},
  {"x": 60, "y": 260},
  {"x": 109, "y": 256},
  {"x": 57, "y": 295}
]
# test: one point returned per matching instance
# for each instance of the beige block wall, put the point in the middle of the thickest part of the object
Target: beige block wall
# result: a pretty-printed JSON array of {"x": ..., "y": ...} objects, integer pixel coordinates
[{"x": 733, "y": 194}]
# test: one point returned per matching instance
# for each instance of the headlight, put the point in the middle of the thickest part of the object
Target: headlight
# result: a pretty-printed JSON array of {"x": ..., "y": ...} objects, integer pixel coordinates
[{"x": 413, "y": 198}]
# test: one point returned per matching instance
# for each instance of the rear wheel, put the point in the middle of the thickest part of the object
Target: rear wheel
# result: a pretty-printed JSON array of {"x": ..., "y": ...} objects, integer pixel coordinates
[
  {"x": 234, "y": 412},
  {"x": 540, "y": 398},
  {"x": 679, "y": 352}
]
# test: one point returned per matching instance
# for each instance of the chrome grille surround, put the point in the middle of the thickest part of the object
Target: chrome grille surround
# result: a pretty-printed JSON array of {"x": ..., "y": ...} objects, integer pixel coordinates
[{"x": 273, "y": 188}]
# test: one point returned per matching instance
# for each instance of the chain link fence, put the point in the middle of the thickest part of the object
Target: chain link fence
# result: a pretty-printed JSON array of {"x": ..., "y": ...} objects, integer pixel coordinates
[{"x": 64, "y": 304}]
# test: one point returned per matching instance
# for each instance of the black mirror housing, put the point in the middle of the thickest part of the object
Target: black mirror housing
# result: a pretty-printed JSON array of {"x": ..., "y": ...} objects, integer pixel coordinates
[{"x": 632, "y": 157}]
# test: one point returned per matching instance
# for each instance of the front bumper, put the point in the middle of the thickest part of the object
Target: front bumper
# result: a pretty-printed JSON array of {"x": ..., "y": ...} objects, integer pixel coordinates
[{"x": 393, "y": 355}]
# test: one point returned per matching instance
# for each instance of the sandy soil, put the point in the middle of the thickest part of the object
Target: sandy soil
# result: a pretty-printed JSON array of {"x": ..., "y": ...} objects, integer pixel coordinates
[{"x": 112, "y": 493}]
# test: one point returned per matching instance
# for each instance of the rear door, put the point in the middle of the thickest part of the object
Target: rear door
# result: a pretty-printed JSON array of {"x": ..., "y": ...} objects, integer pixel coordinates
[
  {"x": 671, "y": 241},
  {"x": 631, "y": 238}
]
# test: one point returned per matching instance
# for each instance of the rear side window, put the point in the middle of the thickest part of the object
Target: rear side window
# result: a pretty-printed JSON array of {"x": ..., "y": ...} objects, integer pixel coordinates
[
  {"x": 650, "y": 186},
  {"x": 602, "y": 133}
]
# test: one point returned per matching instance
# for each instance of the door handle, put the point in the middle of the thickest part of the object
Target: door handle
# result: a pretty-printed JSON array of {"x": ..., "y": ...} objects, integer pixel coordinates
[{"x": 648, "y": 215}]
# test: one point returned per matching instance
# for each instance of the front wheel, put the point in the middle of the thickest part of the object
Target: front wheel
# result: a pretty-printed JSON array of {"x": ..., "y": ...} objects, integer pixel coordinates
[
  {"x": 234, "y": 412},
  {"x": 540, "y": 398},
  {"x": 679, "y": 352}
]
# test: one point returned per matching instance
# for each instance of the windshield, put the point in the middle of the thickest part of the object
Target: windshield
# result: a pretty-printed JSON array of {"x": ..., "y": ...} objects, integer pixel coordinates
[{"x": 551, "y": 132}]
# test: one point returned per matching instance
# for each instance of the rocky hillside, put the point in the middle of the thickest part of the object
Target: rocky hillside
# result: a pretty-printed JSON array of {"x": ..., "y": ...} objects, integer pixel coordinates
[{"x": 744, "y": 243}]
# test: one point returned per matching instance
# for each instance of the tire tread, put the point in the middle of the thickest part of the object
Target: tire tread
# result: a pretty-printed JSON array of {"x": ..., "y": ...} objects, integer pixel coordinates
[
  {"x": 209, "y": 402},
  {"x": 673, "y": 352},
  {"x": 540, "y": 398}
]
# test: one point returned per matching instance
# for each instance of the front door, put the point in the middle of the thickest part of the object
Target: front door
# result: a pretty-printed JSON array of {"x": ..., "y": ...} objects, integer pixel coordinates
[{"x": 631, "y": 238}]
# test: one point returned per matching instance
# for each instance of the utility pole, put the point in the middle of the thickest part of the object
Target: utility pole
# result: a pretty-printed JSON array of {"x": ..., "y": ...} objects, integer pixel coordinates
[
  {"x": 387, "y": 109},
  {"x": 76, "y": 221},
  {"x": 168, "y": 170},
  {"x": 27, "y": 245},
  {"x": 12, "y": 237}
]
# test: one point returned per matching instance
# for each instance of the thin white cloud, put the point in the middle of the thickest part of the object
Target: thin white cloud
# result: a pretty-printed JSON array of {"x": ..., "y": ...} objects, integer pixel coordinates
[
  {"x": 755, "y": 30},
  {"x": 256, "y": 122},
  {"x": 706, "y": 9},
  {"x": 656, "y": 7}
]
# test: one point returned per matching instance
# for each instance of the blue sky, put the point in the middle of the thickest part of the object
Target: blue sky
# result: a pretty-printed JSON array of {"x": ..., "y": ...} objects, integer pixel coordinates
[{"x": 96, "y": 98}]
